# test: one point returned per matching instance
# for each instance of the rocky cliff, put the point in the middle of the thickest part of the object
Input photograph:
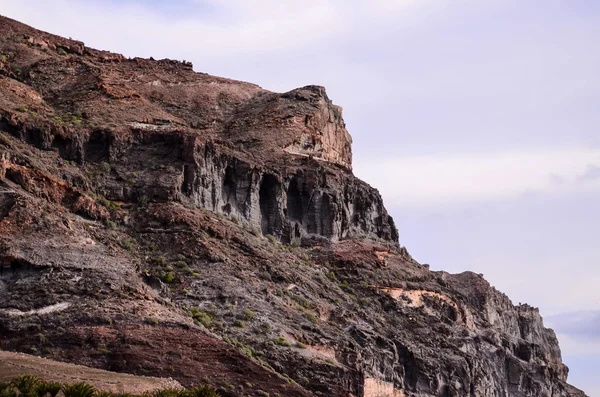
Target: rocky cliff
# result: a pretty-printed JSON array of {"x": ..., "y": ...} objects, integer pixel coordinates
[{"x": 163, "y": 222}]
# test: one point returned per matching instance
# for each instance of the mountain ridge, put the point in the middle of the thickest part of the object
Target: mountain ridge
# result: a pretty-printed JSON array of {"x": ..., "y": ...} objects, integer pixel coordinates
[{"x": 198, "y": 227}]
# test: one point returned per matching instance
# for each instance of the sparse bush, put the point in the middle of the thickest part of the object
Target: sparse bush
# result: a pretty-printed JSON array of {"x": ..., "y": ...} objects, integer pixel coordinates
[
  {"x": 281, "y": 341},
  {"x": 51, "y": 388},
  {"x": 167, "y": 393},
  {"x": 346, "y": 287},
  {"x": 312, "y": 318},
  {"x": 105, "y": 167},
  {"x": 30, "y": 386},
  {"x": 142, "y": 201},
  {"x": 200, "y": 391},
  {"x": 128, "y": 243},
  {"x": 265, "y": 328},
  {"x": 180, "y": 264},
  {"x": 110, "y": 224},
  {"x": 201, "y": 318},
  {"x": 272, "y": 239},
  {"x": 302, "y": 301},
  {"x": 168, "y": 278},
  {"x": 248, "y": 314},
  {"x": 109, "y": 205},
  {"x": 160, "y": 260},
  {"x": 300, "y": 345},
  {"x": 296, "y": 242},
  {"x": 26, "y": 385},
  {"x": 239, "y": 324}
]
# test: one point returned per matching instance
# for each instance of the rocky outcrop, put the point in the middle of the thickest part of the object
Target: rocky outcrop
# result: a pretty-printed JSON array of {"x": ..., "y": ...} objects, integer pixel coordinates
[
  {"x": 299, "y": 202},
  {"x": 324, "y": 134},
  {"x": 162, "y": 222}
]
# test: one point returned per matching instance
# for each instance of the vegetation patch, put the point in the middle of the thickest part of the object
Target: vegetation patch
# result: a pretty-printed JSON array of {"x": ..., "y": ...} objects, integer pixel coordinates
[{"x": 31, "y": 386}]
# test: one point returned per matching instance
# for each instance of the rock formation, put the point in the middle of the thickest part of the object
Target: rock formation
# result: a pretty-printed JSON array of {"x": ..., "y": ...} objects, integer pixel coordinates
[{"x": 162, "y": 222}]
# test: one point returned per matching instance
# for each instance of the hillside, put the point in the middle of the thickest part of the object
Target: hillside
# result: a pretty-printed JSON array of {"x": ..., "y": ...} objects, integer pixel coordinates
[{"x": 160, "y": 222}]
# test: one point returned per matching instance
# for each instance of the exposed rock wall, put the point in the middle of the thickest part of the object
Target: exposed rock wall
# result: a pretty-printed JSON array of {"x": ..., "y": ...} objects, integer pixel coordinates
[
  {"x": 499, "y": 350},
  {"x": 299, "y": 202},
  {"x": 324, "y": 135}
]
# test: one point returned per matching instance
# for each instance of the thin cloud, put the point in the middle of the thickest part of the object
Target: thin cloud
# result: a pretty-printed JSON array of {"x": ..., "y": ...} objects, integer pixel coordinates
[
  {"x": 584, "y": 324},
  {"x": 592, "y": 173},
  {"x": 442, "y": 179}
]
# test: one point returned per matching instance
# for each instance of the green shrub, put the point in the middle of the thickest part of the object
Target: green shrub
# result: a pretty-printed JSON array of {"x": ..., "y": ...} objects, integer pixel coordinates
[
  {"x": 160, "y": 260},
  {"x": 200, "y": 391},
  {"x": 26, "y": 385},
  {"x": 30, "y": 386},
  {"x": 312, "y": 318},
  {"x": 239, "y": 324},
  {"x": 300, "y": 345},
  {"x": 271, "y": 238},
  {"x": 302, "y": 301},
  {"x": 201, "y": 318},
  {"x": 180, "y": 264},
  {"x": 109, "y": 205},
  {"x": 110, "y": 224},
  {"x": 80, "y": 389},
  {"x": 143, "y": 201},
  {"x": 265, "y": 328},
  {"x": 128, "y": 243},
  {"x": 281, "y": 341},
  {"x": 9, "y": 392},
  {"x": 167, "y": 393},
  {"x": 248, "y": 314},
  {"x": 169, "y": 278}
]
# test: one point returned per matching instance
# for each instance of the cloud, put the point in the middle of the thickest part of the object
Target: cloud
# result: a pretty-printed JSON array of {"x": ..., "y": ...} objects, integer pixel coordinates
[
  {"x": 583, "y": 325},
  {"x": 431, "y": 179},
  {"x": 205, "y": 27},
  {"x": 592, "y": 172}
]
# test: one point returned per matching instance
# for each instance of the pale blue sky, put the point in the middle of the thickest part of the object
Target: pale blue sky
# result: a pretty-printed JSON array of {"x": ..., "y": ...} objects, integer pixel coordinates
[{"x": 477, "y": 120}]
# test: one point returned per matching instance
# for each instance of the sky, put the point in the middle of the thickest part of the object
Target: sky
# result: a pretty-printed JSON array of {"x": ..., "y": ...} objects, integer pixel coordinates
[{"x": 478, "y": 121}]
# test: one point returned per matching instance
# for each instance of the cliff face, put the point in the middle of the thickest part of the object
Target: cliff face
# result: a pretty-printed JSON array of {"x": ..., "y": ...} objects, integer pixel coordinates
[{"x": 163, "y": 222}]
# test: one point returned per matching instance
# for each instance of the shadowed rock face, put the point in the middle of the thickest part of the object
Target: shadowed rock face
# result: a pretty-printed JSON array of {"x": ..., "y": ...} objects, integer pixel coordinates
[
  {"x": 135, "y": 198},
  {"x": 298, "y": 202}
]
